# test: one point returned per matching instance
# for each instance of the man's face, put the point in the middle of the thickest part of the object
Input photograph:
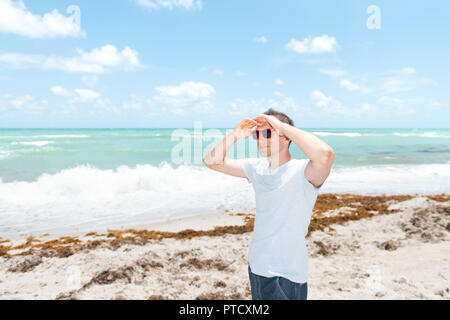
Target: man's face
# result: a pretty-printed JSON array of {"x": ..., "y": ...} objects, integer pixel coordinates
[{"x": 272, "y": 146}]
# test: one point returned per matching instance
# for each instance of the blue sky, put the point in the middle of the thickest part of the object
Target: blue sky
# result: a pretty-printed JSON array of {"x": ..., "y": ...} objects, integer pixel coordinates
[{"x": 168, "y": 63}]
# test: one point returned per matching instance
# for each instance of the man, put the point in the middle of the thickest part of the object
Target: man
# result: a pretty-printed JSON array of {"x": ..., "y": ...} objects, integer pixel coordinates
[{"x": 286, "y": 190}]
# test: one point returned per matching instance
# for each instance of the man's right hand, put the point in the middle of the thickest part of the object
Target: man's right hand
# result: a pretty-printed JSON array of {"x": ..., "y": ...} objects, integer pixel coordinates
[
  {"x": 216, "y": 158},
  {"x": 244, "y": 128}
]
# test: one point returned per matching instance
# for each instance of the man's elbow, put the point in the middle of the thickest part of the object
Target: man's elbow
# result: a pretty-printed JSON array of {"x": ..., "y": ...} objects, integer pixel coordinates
[
  {"x": 328, "y": 156},
  {"x": 208, "y": 163}
]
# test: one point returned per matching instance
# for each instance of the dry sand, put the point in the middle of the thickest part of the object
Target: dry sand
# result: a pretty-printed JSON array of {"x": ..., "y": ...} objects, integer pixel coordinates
[{"x": 360, "y": 247}]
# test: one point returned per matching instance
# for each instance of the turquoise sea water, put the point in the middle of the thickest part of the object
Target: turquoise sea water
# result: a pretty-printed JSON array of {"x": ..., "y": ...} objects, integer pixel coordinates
[
  {"x": 26, "y": 154},
  {"x": 56, "y": 178}
]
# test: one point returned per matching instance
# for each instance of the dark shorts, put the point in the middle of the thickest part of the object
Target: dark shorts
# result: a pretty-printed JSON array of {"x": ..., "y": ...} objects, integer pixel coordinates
[{"x": 276, "y": 288}]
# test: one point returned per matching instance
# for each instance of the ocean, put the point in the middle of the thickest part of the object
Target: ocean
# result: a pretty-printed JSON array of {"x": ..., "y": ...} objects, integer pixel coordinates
[{"x": 62, "y": 180}]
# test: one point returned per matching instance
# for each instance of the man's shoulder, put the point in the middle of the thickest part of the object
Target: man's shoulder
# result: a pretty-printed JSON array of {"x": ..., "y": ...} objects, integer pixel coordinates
[{"x": 301, "y": 162}]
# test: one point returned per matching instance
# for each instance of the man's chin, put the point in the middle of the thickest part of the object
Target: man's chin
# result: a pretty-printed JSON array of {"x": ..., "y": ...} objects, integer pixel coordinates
[{"x": 264, "y": 153}]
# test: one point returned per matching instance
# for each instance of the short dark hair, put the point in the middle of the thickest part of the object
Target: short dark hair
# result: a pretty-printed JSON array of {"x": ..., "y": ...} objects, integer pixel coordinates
[{"x": 280, "y": 116}]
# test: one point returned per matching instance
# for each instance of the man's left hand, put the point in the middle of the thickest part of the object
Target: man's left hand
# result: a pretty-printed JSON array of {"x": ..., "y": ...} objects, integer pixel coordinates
[{"x": 271, "y": 121}]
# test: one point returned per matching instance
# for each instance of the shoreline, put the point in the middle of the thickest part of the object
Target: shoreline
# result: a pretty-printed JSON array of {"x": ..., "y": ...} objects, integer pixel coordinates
[{"x": 330, "y": 209}]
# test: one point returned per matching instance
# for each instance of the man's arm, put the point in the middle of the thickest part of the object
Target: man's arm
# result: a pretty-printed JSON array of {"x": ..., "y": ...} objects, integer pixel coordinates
[
  {"x": 216, "y": 158},
  {"x": 321, "y": 155}
]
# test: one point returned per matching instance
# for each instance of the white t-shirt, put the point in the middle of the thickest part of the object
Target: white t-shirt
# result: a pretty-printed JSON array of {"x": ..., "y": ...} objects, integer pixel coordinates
[{"x": 284, "y": 203}]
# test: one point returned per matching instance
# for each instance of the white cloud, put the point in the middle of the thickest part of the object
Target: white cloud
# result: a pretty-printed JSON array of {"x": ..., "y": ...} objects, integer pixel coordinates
[
  {"x": 321, "y": 99},
  {"x": 194, "y": 95},
  {"x": 278, "y": 94},
  {"x": 187, "y": 91},
  {"x": 394, "y": 84},
  {"x": 71, "y": 65},
  {"x": 408, "y": 70},
  {"x": 136, "y": 103},
  {"x": 218, "y": 71},
  {"x": 322, "y": 44},
  {"x": 406, "y": 106},
  {"x": 21, "y": 101},
  {"x": 96, "y": 61},
  {"x": 400, "y": 80},
  {"x": 381, "y": 83},
  {"x": 245, "y": 107},
  {"x": 15, "y": 18},
  {"x": 60, "y": 91},
  {"x": 108, "y": 55},
  {"x": 333, "y": 73},
  {"x": 90, "y": 80},
  {"x": 400, "y": 106},
  {"x": 436, "y": 104},
  {"x": 240, "y": 73},
  {"x": 347, "y": 84},
  {"x": 19, "y": 60},
  {"x": 284, "y": 103},
  {"x": 391, "y": 100},
  {"x": 279, "y": 82},
  {"x": 182, "y": 99},
  {"x": 25, "y": 103},
  {"x": 170, "y": 4},
  {"x": 331, "y": 106},
  {"x": 261, "y": 39},
  {"x": 83, "y": 96},
  {"x": 77, "y": 95},
  {"x": 99, "y": 60},
  {"x": 86, "y": 95},
  {"x": 369, "y": 108},
  {"x": 281, "y": 102}
]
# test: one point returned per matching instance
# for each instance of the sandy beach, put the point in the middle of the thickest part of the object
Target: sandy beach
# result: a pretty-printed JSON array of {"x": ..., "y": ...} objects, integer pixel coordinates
[{"x": 360, "y": 247}]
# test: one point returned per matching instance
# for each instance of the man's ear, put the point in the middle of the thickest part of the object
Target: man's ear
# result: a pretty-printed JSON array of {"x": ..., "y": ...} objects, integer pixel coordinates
[{"x": 288, "y": 140}]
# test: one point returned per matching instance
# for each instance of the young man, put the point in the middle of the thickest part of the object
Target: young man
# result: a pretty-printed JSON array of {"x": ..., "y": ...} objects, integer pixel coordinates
[{"x": 286, "y": 190}]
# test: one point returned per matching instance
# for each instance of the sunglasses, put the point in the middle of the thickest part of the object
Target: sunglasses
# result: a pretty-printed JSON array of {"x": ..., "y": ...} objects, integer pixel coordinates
[{"x": 266, "y": 133}]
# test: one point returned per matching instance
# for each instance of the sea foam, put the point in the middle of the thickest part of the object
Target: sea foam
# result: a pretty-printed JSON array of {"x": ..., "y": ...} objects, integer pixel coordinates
[
  {"x": 90, "y": 198},
  {"x": 33, "y": 143}
]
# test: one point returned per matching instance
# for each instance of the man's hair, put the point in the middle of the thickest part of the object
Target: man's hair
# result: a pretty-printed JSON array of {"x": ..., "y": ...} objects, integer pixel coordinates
[{"x": 280, "y": 116}]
